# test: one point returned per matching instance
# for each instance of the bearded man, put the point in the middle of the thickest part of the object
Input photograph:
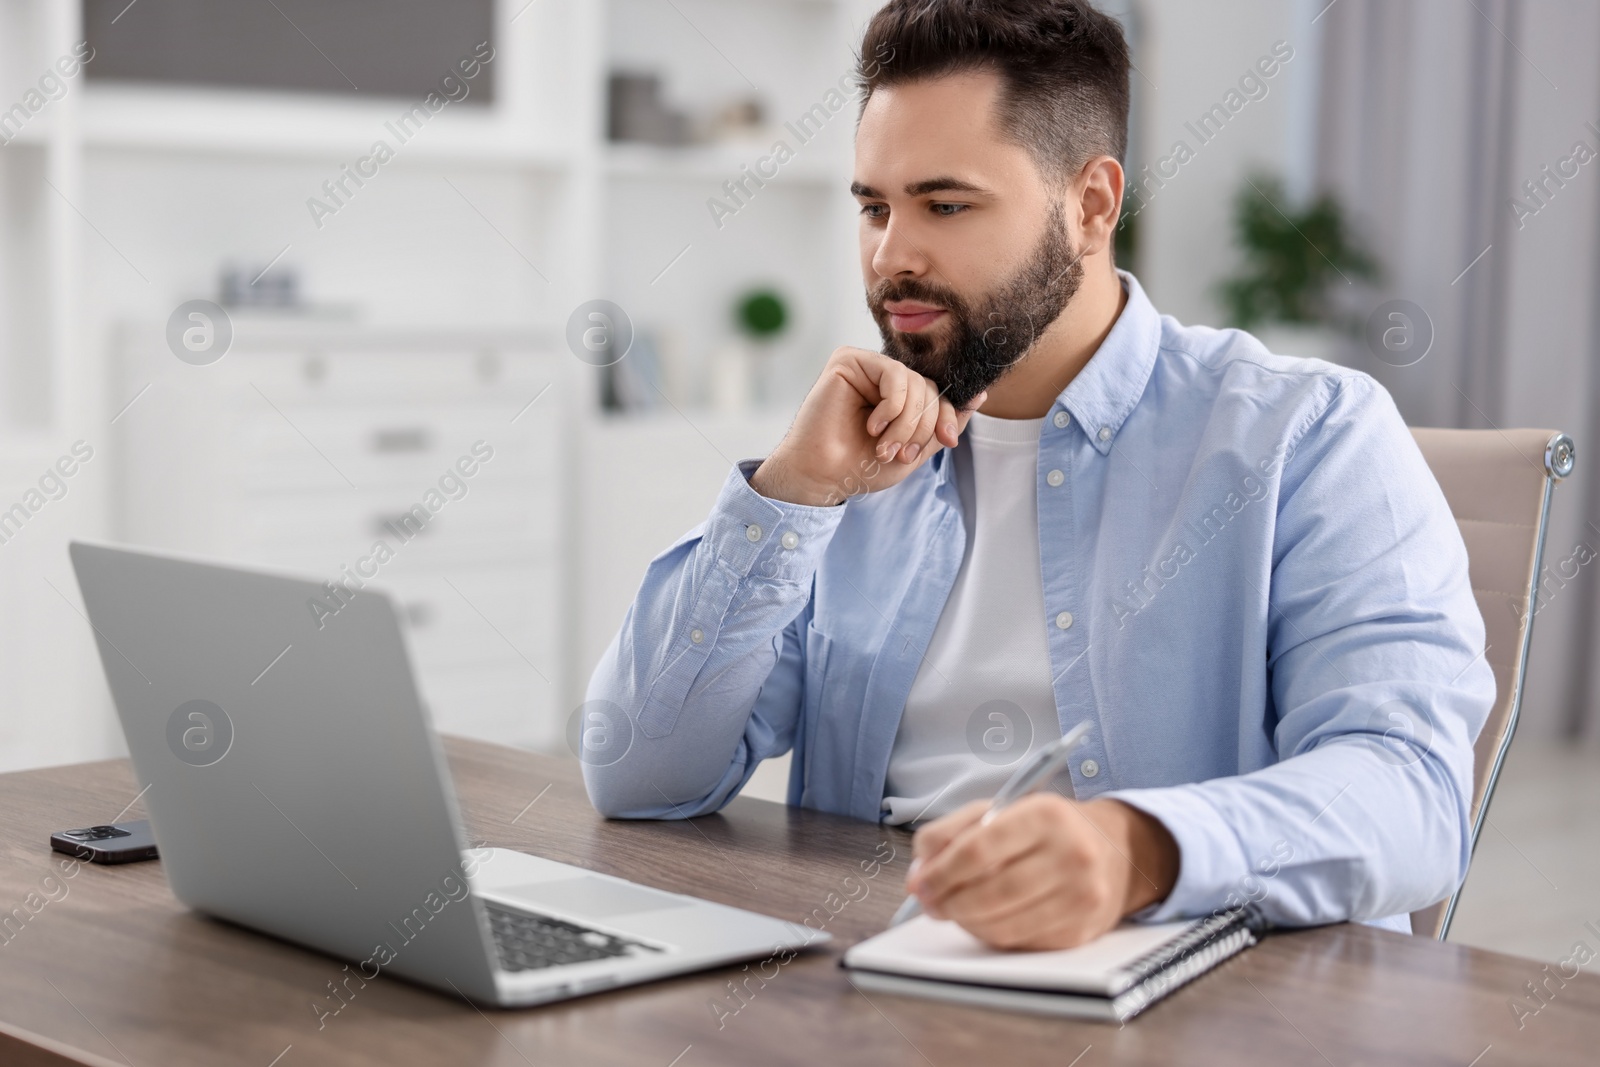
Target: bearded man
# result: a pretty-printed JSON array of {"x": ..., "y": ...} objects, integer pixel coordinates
[{"x": 1041, "y": 504}]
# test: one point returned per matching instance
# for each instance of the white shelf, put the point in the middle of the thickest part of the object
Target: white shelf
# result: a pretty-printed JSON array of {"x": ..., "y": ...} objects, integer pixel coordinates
[
  {"x": 717, "y": 163},
  {"x": 36, "y": 134},
  {"x": 246, "y": 123}
]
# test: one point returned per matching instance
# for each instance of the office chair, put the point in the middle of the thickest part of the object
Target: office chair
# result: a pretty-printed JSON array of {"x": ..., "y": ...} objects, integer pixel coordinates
[{"x": 1498, "y": 484}]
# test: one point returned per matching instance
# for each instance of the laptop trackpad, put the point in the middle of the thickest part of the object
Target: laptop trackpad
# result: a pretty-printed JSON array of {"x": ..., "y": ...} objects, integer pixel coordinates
[{"x": 599, "y": 898}]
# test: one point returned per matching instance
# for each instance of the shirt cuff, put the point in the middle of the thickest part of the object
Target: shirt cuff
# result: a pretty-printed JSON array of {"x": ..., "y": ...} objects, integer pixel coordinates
[
  {"x": 752, "y": 534},
  {"x": 1205, "y": 875}
]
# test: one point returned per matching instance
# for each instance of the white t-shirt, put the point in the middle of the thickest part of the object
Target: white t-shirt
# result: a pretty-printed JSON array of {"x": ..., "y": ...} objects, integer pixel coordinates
[{"x": 982, "y": 699}]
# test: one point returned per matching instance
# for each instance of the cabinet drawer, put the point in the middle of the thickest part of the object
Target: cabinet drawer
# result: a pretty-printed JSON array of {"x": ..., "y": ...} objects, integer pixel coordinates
[
  {"x": 327, "y": 372},
  {"x": 409, "y": 446},
  {"x": 488, "y": 524}
]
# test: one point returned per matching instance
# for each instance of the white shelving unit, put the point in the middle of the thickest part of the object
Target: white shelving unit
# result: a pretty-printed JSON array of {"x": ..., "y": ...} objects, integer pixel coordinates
[
  {"x": 119, "y": 202},
  {"x": 421, "y": 464}
]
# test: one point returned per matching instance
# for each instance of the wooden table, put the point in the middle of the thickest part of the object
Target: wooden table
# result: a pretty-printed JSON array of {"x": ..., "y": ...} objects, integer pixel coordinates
[{"x": 107, "y": 968}]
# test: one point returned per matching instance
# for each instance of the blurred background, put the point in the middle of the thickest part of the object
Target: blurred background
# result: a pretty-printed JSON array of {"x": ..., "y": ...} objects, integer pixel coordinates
[{"x": 268, "y": 271}]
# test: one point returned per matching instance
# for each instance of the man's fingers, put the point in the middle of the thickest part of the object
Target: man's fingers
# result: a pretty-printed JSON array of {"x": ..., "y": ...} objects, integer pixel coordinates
[
  {"x": 894, "y": 385},
  {"x": 952, "y": 423},
  {"x": 922, "y": 440},
  {"x": 1042, "y": 926},
  {"x": 980, "y": 849},
  {"x": 909, "y": 416},
  {"x": 1005, "y": 893},
  {"x": 948, "y": 430},
  {"x": 932, "y": 838},
  {"x": 903, "y": 430}
]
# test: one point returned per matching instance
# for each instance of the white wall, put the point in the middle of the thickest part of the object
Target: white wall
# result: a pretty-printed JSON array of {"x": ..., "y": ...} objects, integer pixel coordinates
[
  {"x": 56, "y": 708},
  {"x": 1192, "y": 55}
]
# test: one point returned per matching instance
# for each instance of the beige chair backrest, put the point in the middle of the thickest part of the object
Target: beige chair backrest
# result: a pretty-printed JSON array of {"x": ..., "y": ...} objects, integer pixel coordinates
[{"x": 1498, "y": 485}]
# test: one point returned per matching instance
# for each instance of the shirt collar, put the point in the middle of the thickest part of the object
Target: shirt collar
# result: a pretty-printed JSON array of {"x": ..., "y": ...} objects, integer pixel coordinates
[{"x": 1108, "y": 388}]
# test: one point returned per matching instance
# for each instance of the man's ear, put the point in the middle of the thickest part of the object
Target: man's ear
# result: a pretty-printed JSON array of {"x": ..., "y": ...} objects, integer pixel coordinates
[{"x": 1097, "y": 196}]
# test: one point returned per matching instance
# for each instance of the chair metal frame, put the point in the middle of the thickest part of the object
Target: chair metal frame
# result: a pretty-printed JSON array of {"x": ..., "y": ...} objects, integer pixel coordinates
[{"x": 1560, "y": 456}]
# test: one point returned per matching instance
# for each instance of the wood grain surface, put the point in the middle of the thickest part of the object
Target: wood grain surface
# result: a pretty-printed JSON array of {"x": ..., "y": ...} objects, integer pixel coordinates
[{"x": 106, "y": 967}]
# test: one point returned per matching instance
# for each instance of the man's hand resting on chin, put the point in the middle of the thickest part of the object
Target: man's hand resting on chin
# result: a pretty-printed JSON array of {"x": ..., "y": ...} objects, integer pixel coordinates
[
  {"x": 1046, "y": 872},
  {"x": 867, "y": 423}
]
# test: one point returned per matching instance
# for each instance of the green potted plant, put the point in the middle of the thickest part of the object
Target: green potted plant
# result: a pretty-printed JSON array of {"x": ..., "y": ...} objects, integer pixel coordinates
[
  {"x": 1294, "y": 262},
  {"x": 745, "y": 372}
]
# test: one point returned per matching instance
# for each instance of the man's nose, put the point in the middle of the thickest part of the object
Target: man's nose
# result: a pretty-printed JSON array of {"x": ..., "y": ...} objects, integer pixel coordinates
[{"x": 897, "y": 254}]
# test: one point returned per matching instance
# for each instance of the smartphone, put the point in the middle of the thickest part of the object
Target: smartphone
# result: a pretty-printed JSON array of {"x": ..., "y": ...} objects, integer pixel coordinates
[{"x": 123, "y": 842}]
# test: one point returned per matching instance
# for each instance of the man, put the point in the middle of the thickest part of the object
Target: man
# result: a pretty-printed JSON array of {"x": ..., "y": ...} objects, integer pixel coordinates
[{"x": 1044, "y": 503}]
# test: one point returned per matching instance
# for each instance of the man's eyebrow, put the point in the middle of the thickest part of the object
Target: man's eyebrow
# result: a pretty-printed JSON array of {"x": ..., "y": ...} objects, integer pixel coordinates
[
  {"x": 922, "y": 188},
  {"x": 942, "y": 185}
]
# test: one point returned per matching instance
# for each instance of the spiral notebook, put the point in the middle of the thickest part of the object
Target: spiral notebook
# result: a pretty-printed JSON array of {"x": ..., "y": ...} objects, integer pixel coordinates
[{"x": 1114, "y": 977}]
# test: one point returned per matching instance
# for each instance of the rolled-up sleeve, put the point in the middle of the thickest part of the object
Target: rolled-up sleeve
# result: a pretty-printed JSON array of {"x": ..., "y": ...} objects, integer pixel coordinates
[
  {"x": 703, "y": 679},
  {"x": 1379, "y": 688}
]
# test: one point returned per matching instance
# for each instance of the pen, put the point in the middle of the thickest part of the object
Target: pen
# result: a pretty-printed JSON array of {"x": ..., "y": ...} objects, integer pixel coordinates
[{"x": 1035, "y": 772}]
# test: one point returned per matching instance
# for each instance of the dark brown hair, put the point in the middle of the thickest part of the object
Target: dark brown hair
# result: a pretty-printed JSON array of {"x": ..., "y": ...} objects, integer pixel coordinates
[{"x": 1063, "y": 66}]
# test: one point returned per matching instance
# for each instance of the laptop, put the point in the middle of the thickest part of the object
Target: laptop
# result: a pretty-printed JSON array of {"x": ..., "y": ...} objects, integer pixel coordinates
[{"x": 296, "y": 787}]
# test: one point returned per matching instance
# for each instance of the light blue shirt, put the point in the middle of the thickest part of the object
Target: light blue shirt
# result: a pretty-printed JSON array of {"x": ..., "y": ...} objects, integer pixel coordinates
[{"x": 1254, "y": 591}]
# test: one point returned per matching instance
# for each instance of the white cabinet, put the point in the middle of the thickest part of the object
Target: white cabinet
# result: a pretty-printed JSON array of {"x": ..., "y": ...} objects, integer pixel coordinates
[
  {"x": 353, "y": 457},
  {"x": 119, "y": 201}
]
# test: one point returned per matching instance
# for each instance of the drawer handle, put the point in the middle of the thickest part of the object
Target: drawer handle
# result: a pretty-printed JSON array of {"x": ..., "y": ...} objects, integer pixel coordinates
[
  {"x": 404, "y": 524},
  {"x": 415, "y": 439}
]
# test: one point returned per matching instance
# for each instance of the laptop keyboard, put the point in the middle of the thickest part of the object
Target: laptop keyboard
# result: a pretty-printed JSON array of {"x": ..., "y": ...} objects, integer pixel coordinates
[{"x": 527, "y": 942}]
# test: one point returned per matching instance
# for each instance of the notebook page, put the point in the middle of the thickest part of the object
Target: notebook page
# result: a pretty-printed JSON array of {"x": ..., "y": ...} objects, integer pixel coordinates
[{"x": 932, "y": 948}]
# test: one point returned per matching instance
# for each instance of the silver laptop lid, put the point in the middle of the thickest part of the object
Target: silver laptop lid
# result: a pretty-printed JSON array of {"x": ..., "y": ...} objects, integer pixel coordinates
[{"x": 295, "y": 784}]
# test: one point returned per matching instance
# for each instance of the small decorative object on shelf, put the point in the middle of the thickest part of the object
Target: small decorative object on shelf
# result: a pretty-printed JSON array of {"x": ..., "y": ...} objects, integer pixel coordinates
[
  {"x": 271, "y": 286},
  {"x": 637, "y": 112},
  {"x": 762, "y": 314},
  {"x": 634, "y": 383},
  {"x": 746, "y": 368},
  {"x": 1293, "y": 259},
  {"x": 740, "y": 119}
]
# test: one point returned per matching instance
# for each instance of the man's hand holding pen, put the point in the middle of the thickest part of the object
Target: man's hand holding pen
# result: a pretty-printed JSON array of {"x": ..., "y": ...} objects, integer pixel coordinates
[{"x": 1045, "y": 872}]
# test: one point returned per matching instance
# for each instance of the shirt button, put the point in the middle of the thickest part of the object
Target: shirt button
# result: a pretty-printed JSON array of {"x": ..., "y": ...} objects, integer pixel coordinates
[
  {"x": 1055, "y": 477},
  {"x": 752, "y": 532},
  {"x": 1105, "y": 433},
  {"x": 1064, "y": 620},
  {"x": 1062, "y": 420},
  {"x": 789, "y": 539},
  {"x": 1089, "y": 768},
  {"x": 697, "y": 635}
]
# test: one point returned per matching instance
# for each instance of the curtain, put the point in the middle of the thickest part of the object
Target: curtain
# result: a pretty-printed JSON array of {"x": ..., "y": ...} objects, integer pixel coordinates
[{"x": 1445, "y": 129}]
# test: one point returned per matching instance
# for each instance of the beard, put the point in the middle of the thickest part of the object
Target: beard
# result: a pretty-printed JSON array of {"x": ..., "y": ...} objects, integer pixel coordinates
[{"x": 983, "y": 338}]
